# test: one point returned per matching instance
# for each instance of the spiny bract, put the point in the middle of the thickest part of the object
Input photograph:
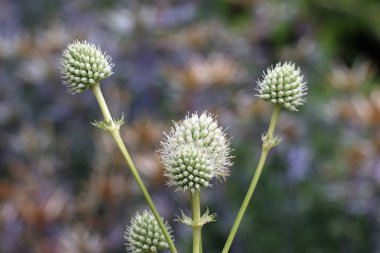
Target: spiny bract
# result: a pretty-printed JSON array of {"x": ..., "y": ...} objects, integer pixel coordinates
[
  {"x": 283, "y": 85},
  {"x": 84, "y": 65},
  {"x": 194, "y": 152},
  {"x": 144, "y": 235}
]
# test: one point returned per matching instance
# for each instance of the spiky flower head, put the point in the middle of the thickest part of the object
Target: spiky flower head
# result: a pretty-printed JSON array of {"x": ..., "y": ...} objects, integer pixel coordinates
[
  {"x": 194, "y": 152},
  {"x": 144, "y": 235},
  {"x": 84, "y": 65},
  {"x": 283, "y": 85}
]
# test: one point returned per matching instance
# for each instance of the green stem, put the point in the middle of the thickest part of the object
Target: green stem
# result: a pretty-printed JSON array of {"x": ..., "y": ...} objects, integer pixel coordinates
[
  {"x": 264, "y": 153},
  {"x": 273, "y": 120},
  {"x": 102, "y": 103},
  {"x": 201, "y": 243},
  {"x": 114, "y": 130},
  {"x": 197, "y": 226}
]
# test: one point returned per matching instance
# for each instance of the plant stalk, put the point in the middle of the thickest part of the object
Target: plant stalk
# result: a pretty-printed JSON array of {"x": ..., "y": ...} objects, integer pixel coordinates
[
  {"x": 197, "y": 226},
  {"x": 114, "y": 130},
  {"x": 200, "y": 244},
  {"x": 264, "y": 153}
]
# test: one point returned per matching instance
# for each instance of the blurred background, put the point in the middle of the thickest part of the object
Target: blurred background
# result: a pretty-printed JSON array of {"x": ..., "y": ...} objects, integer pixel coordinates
[{"x": 65, "y": 188}]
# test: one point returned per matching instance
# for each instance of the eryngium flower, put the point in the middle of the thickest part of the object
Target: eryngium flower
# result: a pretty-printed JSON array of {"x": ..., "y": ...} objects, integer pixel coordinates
[
  {"x": 283, "y": 85},
  {"x": 144, "y": 235},
  {"x": 84, "y": 65},
  {"x": 194, "y": 152}
]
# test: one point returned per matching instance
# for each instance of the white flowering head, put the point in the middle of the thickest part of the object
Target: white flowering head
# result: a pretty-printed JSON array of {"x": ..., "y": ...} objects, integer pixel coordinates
[
  {"x": 144, "y": 235},
  {"x": 283, "y": 85},
  {"x": 194, "y": 152},
  {"x": 84, "y": 65}
]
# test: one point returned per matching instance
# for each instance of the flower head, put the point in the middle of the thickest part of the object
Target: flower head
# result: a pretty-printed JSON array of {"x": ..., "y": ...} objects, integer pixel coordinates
[
  {"x": 144, "y": 235},
  {"x": 84, "y": 65},
  {"x": 283, "y": 85},
  {"x": 194, "y": 152}
]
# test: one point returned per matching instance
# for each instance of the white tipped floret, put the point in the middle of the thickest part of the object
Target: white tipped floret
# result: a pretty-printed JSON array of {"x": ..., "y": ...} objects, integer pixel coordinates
[
  {"x": 194, "y": 152},
  {"x": 144, "y": 235},
  {"x": 83, "y": 64},
  {"x": 283, "y": 85}
]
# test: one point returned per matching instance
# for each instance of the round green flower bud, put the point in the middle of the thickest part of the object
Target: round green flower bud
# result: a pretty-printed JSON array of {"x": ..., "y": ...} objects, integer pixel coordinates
[
  {"x": 283, "y": 85},
  {"x": 84, "y": 65},
  {"x": 194, "y": 152},
  {"x": 144, "y": 235}
]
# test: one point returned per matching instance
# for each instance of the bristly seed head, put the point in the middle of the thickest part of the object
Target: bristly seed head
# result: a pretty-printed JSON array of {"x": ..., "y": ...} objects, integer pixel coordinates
[
  {"x": 283, "y": 85},
  {"x": 144, "y": 235},
  {"x": 84, "y": 65},
  {"x": 194, "y": 152}
]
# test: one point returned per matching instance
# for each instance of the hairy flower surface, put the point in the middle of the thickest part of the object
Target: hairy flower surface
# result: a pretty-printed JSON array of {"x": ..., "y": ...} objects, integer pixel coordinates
[
  {"x": 283, "y": 85},
  {"x": 144, "y": 235},
  {"x": 83, "y": 65},
  {"x": 194, "y": 152}
]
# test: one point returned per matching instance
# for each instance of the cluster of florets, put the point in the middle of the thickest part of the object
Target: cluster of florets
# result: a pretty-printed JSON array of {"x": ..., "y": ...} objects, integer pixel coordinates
[
  {"x": 196, "y": 149},
  {"x": 194, "y": 152},
  {"x": 84, "y": 65},
  {"x": 283, "y": 85},
  {"x": 144, "y": 235}
]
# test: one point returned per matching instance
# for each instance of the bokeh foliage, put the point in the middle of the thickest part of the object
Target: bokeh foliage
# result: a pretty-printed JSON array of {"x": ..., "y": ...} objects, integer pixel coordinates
[{"x": 65, "y": 188}]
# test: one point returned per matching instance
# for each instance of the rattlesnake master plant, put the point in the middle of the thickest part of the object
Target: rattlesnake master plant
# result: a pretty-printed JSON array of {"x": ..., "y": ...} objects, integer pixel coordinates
[
  {"x": 194, "y": 152},
  {"x": 283, "y": 85},
  {"x": 143, "y": 235},
  {"x": 84, "y": 65}
]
